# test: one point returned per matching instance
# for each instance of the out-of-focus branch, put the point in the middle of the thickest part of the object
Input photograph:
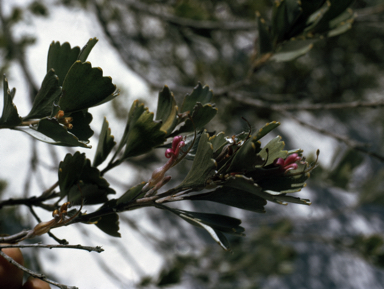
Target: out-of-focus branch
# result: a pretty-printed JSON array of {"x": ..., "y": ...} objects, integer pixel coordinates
[
  {"x": 34, "y": 274},
  {"x": 282, "y": 109},
  {"x": 349, "y": 142},
  {"x": 19, "y": 55},
  {"x": 369, "y": 14},
  {"x": 196, "y": 24},
  {"x": 239, "y": 96}
]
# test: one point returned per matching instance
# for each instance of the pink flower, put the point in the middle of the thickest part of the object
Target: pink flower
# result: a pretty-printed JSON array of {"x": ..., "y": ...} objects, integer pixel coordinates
[
  {"x": 171, "y": 154},
  {"x": 290, "y": 163}
]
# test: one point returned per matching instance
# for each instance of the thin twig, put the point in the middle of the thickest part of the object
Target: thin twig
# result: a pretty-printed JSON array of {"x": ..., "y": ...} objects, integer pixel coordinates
[
  {"x": 34, "y": 274},
  {"x": 32, "y": 201},
  {"x": 97, "y": 249}
]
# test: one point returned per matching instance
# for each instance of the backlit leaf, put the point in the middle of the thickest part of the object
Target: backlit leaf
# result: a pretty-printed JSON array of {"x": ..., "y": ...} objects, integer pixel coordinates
[
  {"x": 10, "y": 116},
  {"x": 49, "y": 92},
  {"x": 105, "y": 145},
  {"x": 85, "y": 87}
]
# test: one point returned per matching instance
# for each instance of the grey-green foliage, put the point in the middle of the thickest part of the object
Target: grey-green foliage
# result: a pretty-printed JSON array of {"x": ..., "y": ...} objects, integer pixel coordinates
[{"x": 317, "y": 78}]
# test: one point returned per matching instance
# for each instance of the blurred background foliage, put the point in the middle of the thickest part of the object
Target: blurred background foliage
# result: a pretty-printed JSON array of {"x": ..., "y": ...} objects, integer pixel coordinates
[{"x": 182, "y": 42}]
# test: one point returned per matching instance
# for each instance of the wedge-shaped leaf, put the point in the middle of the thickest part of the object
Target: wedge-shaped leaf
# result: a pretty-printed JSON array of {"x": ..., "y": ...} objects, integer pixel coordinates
[
  {"x": 233, "y": 197},
  {"x": 109, "y": 224},
  {"x": 201, "y": 115},
  {"x": 199, "y": 94},
  {"x": 132, "y": 194},
  {"x": 316, "y": 17},
  {"x": 49, "y": 92},
  {"x": 81, "y": 128},
  {"x": 215, "y": 234},
  {"x": 293, "y": 10},
  {"x": 265, "y": 37},
  {"x": 105, "y": 145},
  {"x": 280, "y": 22},
  {"x": 167, "y": 110},
  {"x": 70, "y": 170},
  {"x": 191, "y": 140},
  {"x": 87, "y": 49},
  {"x": 85, "y": 87},
  {"x": 218, "y": 141},
  {"x": 241, "y": 182},
  {"x": 203, "y": 164},
  {"x": 61, "y": 58},
  {"x": 266, "y": 129},
  {"x": 285, "y": 183},
  {"x": 336, "y": 9},
  {"x": 79, "y": 181},
  {"x": 307, "y": 8},
  {"x": 292, "y": 49},
  {"x": 221, "y": 223},
  {"x": 10, "y": 115},
  {"x": 141, "y": 133},
  {"x": 214, "y": 224},
  {"x": 273, "y": 150},
  {"x": 246, "y": 157},
  {"x": 50, "y": 131},
  {"x": 134, "y": 114},
  {"x": 341, "y": 24}
]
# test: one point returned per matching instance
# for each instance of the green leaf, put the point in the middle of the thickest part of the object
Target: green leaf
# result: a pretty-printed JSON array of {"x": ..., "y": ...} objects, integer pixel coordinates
[
  {"x": 279, "y": 21},
  {"x": 336, "y": 9},
  {"x": 105, "y": 145},
  {"x": 141, "y": 132},
  {"x": 293, "y": 11},
  {"x": 61, "y": 58},
  {"x": 221, "y": 223},
  {"x": 243, "y": 183},
  {"x": 167, "y": 110},
  {"x": 214, "y": 224},
  {"x": 201, "y": 115},
  {"x": 79, "y": 180},
  {"x": 87, "y": 49},
  {"x": 233, "y": 197},
  {"x": 341, "y": 23},
  {"x": 218, "y": 141},
  {"x": 130, "y": 195},
  {"x": 285, "y": 183},
  {"x": 307, "y": 9},
  {"x": 266, "y": 129},
  {"x": 215, "y": 234},
  {"x": 109, "y": 224},
  {"x": 246, "y": 157},
  {"x": 81, "y": 128},
  {"x": 10, "y": 116},
  {"x": 202, "y": 166},
  {"x": 265, "y": 37},
  {"x": 273, "y": 150},
  {"x": 85, "y": 87},
  {"x": 70, "y": 170},
  {"x": 49, "y": 92},
  {"x": 199, "y": 94},
  {"x": 50, "y": 131},
  {"x": 292, "y": 49}
]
